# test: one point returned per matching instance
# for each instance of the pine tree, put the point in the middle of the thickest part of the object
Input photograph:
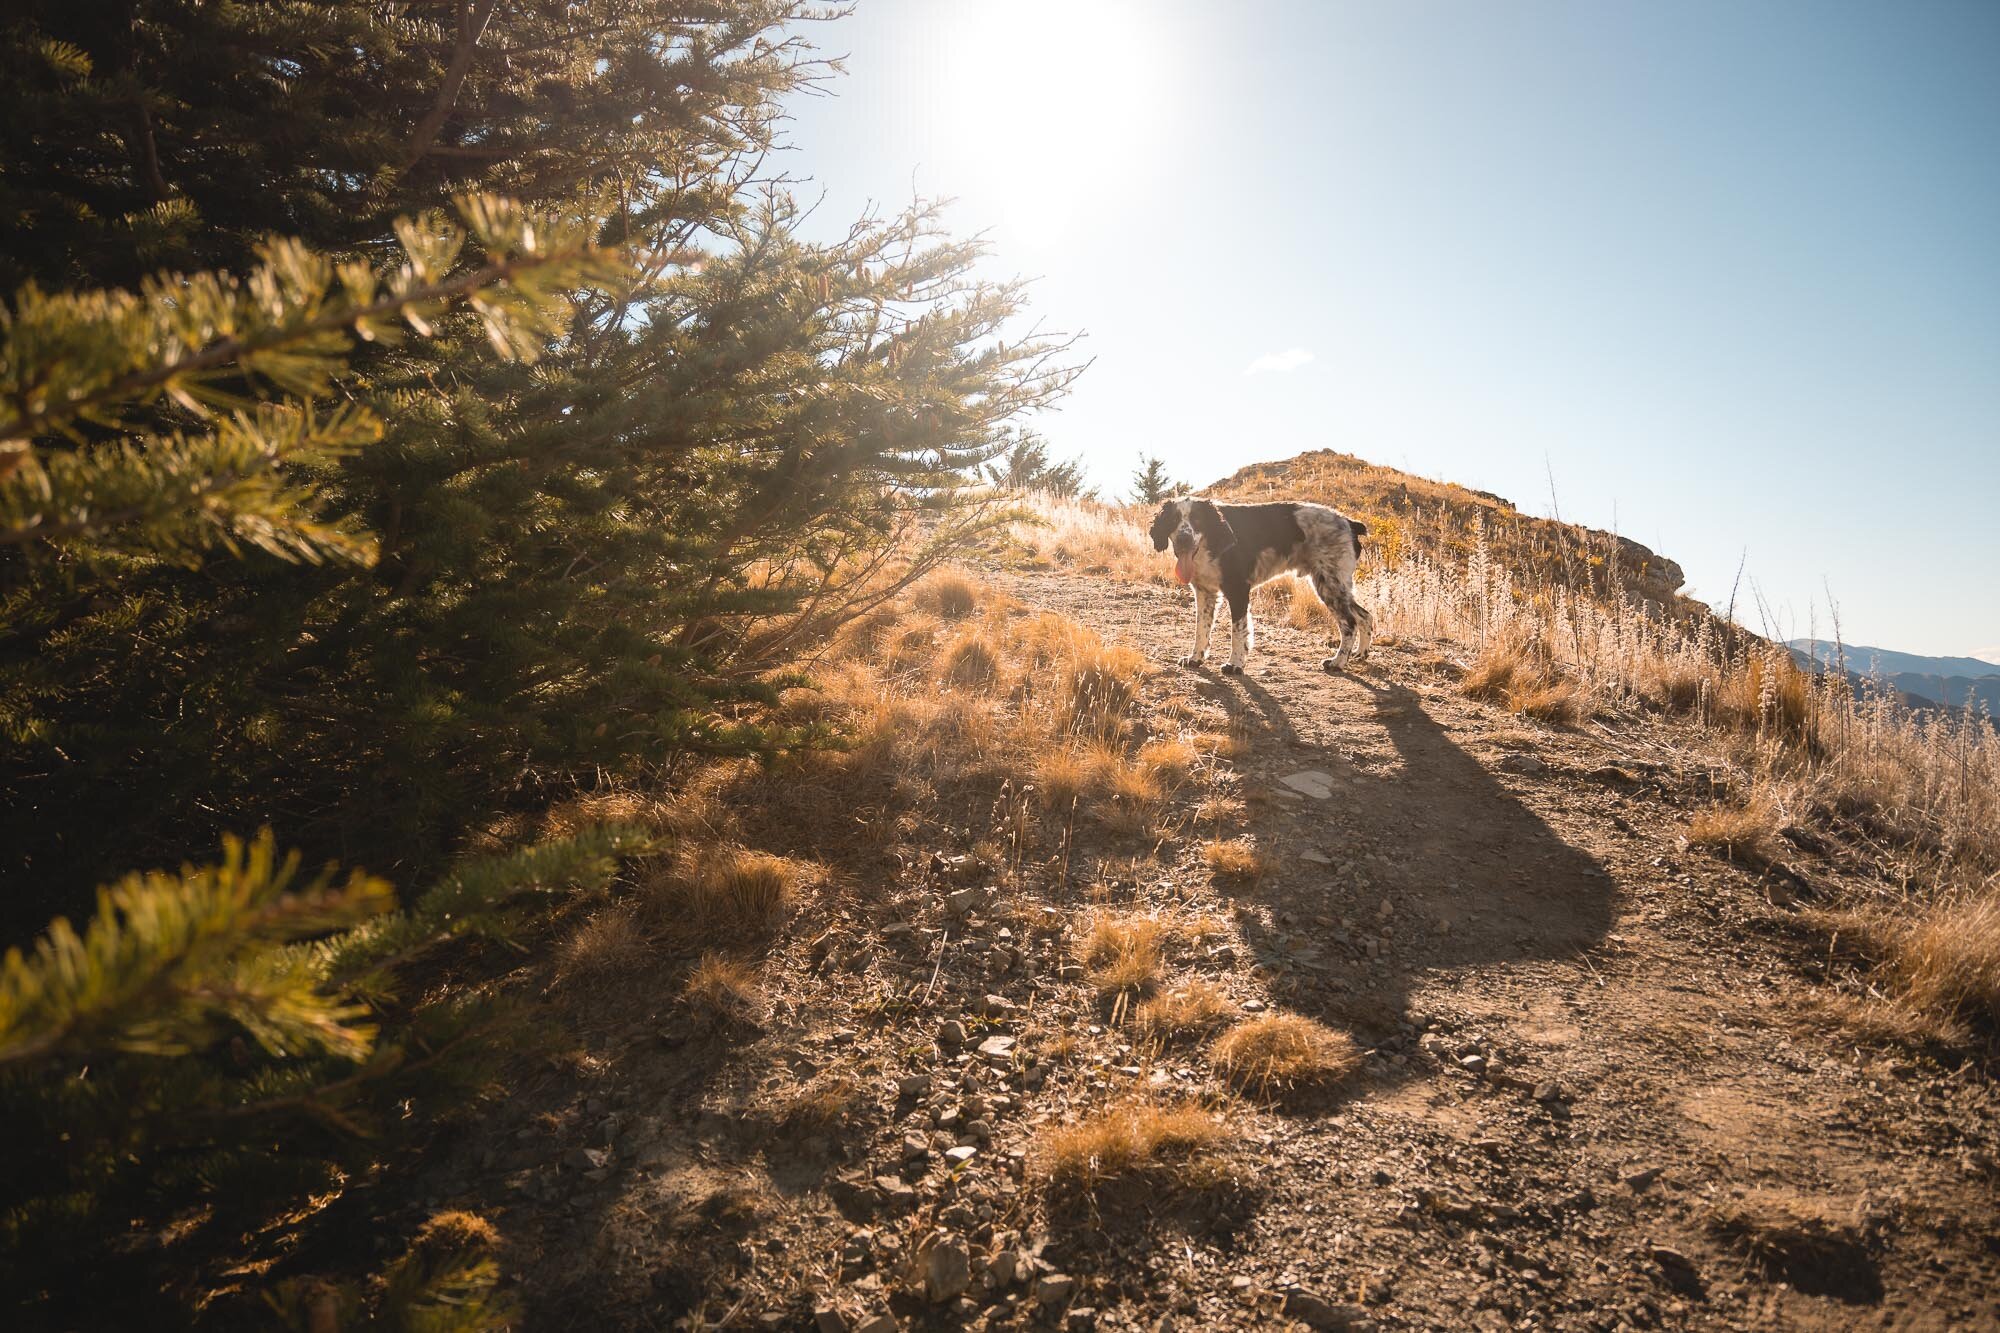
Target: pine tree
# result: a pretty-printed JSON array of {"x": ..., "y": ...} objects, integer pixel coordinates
[
  {"x": 365, "y": 532},
  {"x": 1150, "y": 483},
  {"x": 1026, "y": 466},
  {"x": 554, "y": 567}
]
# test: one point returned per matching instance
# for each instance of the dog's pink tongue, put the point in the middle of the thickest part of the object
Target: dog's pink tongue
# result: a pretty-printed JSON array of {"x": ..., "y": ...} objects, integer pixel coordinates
[{"x": 1183, "y": 569}]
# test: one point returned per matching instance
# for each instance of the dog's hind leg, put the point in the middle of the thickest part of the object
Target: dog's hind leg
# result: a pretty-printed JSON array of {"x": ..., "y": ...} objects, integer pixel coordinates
[
  {"x": 1204, "y": 618},
  {"x": 1333, "y": 591},
  {"x": 1367, "y": 638}
]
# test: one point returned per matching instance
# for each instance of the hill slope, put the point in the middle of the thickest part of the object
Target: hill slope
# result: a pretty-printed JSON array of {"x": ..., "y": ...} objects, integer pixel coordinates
[
  {"x": 1406, "y": 513},
  {"x": 974, "y": 1081},
  {"x": 1957, "y": 681}
]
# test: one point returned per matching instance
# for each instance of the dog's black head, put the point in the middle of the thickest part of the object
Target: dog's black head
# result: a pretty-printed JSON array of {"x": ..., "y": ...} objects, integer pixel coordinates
[
  {"x": 1213, "y": 527},
  {"x": 1165, "y": 523}
]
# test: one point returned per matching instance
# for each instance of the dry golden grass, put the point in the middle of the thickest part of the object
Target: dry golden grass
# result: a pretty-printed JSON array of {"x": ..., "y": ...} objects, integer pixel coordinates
[
  {"x": 607, "y": 943},
  {"x": 1220, "y": 744},
  {"x": 721, "y": 990},
  {"x": 1814, "y": 1244},
  {"x": 820, "y": 1105},
  {"x": 1194, "y": 1010},
  {"x": 1173, "y": 1145},
  {"x": 1276, "y": 1053},
  {"x": 728, "y": 886},
  {"x": 1122, "y": 953},
  {"x": 970, "y": 661},
  {"x": 1235, "y": 858},
  {"x": 1168, "y": 759},
  {"x": 1092, "y": 538},
  {"x": 1514, "y": 673},
  {"x": 1746, "y": 833},
  {"x": 949, "y": 594},
  {"x": 1944, "y": 958}
]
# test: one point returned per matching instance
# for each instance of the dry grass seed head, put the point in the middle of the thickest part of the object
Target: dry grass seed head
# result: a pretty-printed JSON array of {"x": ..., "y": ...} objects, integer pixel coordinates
[{"x": 1274, "y": 1053}]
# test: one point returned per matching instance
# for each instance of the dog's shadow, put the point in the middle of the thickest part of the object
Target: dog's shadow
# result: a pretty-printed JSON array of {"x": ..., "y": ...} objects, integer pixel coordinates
[{"x": 1471, "y": 877}]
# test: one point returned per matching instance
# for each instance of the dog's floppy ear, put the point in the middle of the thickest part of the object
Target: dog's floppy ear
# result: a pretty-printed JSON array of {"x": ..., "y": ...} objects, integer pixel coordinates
[
  {"x": 1164, "y": 524},
  {"x": 1213, "y": 527}
]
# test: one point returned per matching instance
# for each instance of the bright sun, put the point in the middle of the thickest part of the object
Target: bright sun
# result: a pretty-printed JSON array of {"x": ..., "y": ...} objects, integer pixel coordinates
[{"x": 1047, "y": 106}]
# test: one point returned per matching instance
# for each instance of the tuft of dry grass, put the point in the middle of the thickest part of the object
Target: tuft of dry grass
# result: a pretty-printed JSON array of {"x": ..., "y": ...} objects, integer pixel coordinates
[
  {"x": 1945, "y": 958},
  {"x": 1276, "y": 1053},
  {"x": 721, "y": 990},
  {"x": 1235, "y": 858},
  {"x": 1122, "y": 953},
  {"x": 607, "y": 943},
  {"x": 1514, "y": 671},
  {"x": 1220, "y": 744},
  {"x": 1746, "y": 833},
  {"x": 949, "y": 594},
  {"x": 1194, "y": 1010},
  {"x": 1799, "y": 1240},
  {"x": 1166, "y": 1145},
  {"x": 970, "y": 661},
  {"x": 820, "y": 1104},
  {"x": 1168, "y": 759},
  {"x": 737, "y": 886}
]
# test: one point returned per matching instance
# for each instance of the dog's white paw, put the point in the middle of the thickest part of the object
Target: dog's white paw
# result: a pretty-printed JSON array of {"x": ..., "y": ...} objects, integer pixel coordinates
[
  {"x": 1331, "y": 665},
  {"x": 1231, "y": 669},
  {"x": 1193, "y": 659}
]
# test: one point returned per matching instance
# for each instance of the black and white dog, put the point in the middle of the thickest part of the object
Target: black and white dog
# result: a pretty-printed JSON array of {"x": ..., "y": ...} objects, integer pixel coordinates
[{"x": 1231, "y": 549}]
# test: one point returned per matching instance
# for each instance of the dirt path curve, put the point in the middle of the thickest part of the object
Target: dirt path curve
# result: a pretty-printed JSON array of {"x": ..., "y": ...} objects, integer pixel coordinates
[{"x": 1595, "y": 1100}]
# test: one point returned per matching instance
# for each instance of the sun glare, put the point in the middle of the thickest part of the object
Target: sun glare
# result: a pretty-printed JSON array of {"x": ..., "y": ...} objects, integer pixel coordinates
[{"x": 1047, "y": 107}]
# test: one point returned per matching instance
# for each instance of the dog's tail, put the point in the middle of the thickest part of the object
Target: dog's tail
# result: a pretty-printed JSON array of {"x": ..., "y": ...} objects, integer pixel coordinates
[{"x": 1355, "y": 529}]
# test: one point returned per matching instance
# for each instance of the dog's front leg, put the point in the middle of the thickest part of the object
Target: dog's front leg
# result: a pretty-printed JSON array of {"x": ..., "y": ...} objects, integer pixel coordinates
[
  {"x": 1239, "y": 631},
  {"x": 1204, "y": 617}
]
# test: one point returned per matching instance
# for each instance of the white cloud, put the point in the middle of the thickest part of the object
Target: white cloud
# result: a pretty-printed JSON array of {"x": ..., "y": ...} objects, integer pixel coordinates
[{"x": 1279, "y": 363}]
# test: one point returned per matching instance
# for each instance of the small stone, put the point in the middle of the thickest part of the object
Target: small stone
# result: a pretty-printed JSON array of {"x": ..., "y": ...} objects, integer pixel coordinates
[
  {"x": 1472, "y": 1064},
  {"x": 1254, "y": 1006},
  {"x": 1320, "y": 1313},
  {"x": 915, "y": 1147},
  {"x": 896, "y": 1191},
  {"x": 1003, "y": 1269},
  {"x": 1548, "y": 1092},
  {"x": 1523, "y": 763},
  {"x": 826, "y": 1319},
  {"x": 960, "y": 1155},
  {"x": 951, "y": 1032},
  {"x": 1080, "y": 1320},
  {"x": 773, "y": 1319},
  {"x": 1311, "y": 782},
  {"x": 1642, "y": 1178},
  {"x": 877, "y": 1323},
  {"x": 586, "y": 1159},
  {"x": 963, "y": 902},
  {"x": 1055, "y": 1288},
  {"x": 1316, "y": 856},
  {"x": 995, "y": 1006},
  {"x": 997, "y": 1046},
  {"x": 1243, "y": 1288},
  {"x": 947, "y": 1270}
]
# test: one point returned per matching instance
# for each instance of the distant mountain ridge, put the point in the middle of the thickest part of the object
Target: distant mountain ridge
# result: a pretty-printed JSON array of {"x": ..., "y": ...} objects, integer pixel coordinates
[{"x": 1939, "y": 680}]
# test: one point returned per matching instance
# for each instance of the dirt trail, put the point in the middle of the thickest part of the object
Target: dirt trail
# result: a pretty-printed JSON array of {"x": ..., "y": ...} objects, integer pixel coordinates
[
  {"x": 1533, "y": 912},
  {"x": 1588, "y": 1055}
]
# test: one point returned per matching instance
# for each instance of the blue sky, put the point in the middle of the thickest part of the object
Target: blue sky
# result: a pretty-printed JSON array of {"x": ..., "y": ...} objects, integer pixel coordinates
[{"x": 1730, "y": 272}]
